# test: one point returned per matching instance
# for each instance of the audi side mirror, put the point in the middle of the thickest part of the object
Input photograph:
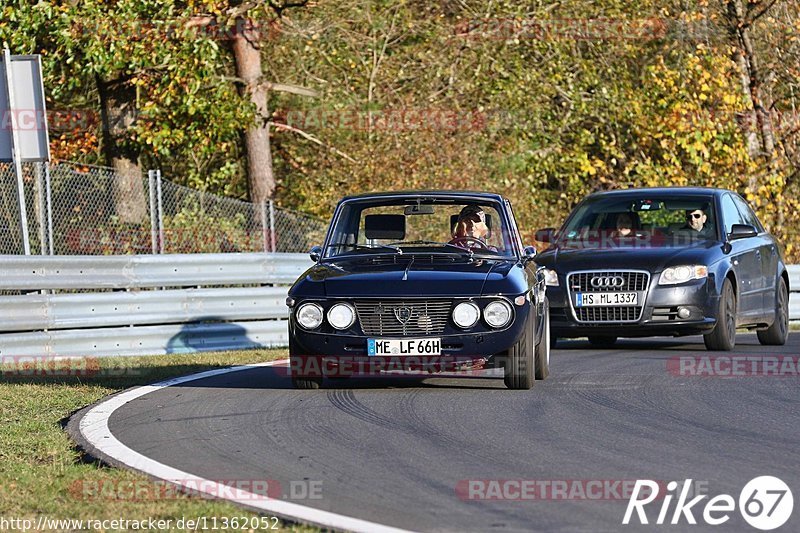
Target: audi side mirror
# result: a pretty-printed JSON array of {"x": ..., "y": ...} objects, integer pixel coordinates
[
  {"x": 545, "y": 235},
  {"x": 315, "y": 253},
  {"x": 742, "y": 231}
]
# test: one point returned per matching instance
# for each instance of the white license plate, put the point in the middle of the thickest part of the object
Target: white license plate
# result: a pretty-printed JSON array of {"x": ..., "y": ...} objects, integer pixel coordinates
[
  {"x": 587, "y": 299},
  {"x": 404, "y": 346}
]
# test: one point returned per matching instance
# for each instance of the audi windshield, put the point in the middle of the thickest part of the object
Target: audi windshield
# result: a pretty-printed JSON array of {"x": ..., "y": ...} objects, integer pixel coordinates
[{"x": 644, "y": 221}]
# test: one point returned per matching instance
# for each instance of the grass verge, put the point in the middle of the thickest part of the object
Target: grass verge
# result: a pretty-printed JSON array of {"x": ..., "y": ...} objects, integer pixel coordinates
[{"x": 43, "y": 475}]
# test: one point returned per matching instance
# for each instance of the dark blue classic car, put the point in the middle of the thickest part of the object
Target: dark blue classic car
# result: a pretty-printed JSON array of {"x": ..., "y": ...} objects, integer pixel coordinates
[
  {"x": 428, "y": 281},
  {"x": 665, "y": 261}
]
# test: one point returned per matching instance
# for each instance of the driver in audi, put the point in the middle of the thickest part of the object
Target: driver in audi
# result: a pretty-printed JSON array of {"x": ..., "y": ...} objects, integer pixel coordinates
[{"x": 471, "y": 230}]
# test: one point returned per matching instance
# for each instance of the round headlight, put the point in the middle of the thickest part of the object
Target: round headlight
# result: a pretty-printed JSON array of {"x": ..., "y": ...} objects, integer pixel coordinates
[
  {"x": 466, "y": 314},
  {"x": 341, "y": 316},
  {"x": 497, "y": 314},
  {"x": 309, "y": 316}
]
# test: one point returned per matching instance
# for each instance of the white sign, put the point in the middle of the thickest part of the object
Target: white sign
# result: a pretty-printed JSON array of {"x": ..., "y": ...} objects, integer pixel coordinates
[{"x": 22, "y": 109}]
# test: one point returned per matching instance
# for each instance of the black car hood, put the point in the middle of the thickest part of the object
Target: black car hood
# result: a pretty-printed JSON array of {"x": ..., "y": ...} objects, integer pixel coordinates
[
  {"x": 384, "y": 277},
  {"x": 656, "y": 259}
]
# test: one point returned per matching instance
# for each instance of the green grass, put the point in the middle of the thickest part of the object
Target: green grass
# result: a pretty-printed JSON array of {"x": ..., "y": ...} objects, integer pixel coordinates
[{"x": 41, "y": 473}]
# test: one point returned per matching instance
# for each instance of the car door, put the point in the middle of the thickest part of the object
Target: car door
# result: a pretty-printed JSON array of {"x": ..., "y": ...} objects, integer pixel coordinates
[
  {"x": 766, "y": 254},
  {"x": 746, "y": 264}
]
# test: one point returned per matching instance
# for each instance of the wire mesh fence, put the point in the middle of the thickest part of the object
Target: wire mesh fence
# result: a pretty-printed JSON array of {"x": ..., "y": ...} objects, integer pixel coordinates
[{"x": 95, "y": 211}]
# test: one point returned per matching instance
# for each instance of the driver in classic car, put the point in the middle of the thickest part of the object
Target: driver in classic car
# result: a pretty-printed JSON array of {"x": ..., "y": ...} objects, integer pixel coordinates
[{"x": 471, "y": 229}]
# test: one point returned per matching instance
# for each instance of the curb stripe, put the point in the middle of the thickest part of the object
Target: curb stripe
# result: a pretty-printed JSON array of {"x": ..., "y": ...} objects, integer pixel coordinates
[{"x": 94, "y": 428}]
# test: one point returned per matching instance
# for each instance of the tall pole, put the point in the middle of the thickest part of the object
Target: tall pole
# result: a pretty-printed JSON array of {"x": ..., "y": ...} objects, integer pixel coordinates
[
  {"x": 16, "y": 154},
  {"x": 49, "y": 198},
  {"x": 151, "y": 186},
  {"x": 160, "y": 213}
]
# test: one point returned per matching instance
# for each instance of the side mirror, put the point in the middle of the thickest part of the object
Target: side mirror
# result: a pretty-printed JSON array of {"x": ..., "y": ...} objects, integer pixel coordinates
[
  {"x": 315, "y": 253},
  {"x": 742, "y": 231},
  {"x": 545, "y": 235},
  {"x": 528, "y": 253}
]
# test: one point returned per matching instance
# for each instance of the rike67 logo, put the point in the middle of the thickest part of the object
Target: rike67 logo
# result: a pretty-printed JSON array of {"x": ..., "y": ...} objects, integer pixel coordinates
[{"x": 765, "y": 503}]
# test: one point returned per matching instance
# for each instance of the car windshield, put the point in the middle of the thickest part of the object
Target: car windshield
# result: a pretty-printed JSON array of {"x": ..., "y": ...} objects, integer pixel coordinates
[
  {"x": 643, "y": 221},
  {"x": 412, "y": 226}
]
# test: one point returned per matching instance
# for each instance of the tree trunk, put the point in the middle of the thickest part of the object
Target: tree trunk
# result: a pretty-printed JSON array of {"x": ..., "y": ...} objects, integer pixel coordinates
[
  {"x": 247, "y": 55},
  {"x": 118, "y": 113},
  {"x": 739, "y": 25}
]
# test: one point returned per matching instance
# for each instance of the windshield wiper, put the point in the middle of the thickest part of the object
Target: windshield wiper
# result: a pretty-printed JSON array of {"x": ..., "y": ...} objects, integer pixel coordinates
[
  {"x": 395, "y": 249},
  {"x": 466, "y": 251}
]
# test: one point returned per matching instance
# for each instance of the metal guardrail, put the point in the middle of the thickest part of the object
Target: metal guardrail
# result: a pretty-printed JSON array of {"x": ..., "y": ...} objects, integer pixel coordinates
[
  {"x": 144, "y": 271},
  {"x": 156, "y": 304}
]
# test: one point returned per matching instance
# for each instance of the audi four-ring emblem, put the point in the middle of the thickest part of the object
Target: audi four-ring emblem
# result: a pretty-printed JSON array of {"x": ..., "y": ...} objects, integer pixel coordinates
[{"x": 607, "y": 281}]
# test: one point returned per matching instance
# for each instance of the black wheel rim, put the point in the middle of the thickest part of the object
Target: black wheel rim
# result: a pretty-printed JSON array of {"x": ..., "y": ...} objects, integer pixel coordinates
[
  {"x": 783, "y": 311},
  {"x": 730, "y": 314}
]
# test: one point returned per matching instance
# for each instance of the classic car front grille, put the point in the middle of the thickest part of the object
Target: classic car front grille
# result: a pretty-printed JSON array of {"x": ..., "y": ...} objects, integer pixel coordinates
[
  {"x": 385, "y": 317},
  {"x": 632, "y": 281},
  {"x": 608, "y": 314}
]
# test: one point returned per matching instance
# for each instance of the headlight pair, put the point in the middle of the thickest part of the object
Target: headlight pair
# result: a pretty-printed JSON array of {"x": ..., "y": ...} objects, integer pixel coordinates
[
  {"x": 682, "y": 273},
  {"x": 497, "y": 314},
  {"x": 340, "y": 316}
]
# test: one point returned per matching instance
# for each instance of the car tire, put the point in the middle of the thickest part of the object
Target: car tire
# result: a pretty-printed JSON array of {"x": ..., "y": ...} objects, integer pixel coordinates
[
  {"x": 777, "y": 333},
  {"x": 723, "y": 336},
  {"x": 602, "y": 341},
  {"x": 296, "y": 360},
  {"x": 543, "y": 348},
  {"x": 518, "y": 369}
]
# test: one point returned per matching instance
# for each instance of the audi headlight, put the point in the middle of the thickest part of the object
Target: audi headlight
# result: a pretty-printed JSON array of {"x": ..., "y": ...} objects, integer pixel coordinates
[
  {"x": 550, "y": 277},
  {"x": 497, "y": 314},
  {"x": 680, "y": 274},
  {"x": 309, "y": 316},
  {"x": 341, "y": 316},
  {"x": 466, "y": 314}
]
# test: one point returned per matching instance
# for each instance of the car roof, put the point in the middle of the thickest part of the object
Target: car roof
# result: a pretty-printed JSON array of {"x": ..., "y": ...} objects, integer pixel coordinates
[
  {"x": 713, "y": 191},
  {"x": 445, "y": 194}
]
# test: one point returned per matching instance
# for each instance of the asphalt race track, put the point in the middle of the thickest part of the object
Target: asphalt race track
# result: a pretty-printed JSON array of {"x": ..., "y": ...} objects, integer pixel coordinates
[{"x": 400, "y": 451}]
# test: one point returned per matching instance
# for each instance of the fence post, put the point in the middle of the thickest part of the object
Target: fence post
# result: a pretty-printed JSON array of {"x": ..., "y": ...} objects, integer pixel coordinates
[
  {"x": 263, "y": 216},
  {"x": 272, "y": 226},
  {"x": 160, "y": 213},
  {"x": 49, "y": 198},
  {"x": 40, "y": 209},
  {"x": 151, "y": 188}
]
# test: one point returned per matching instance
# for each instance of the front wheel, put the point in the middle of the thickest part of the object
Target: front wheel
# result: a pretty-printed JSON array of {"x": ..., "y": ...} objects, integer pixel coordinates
[
  {"x": 723, "y": 336},
  {"x": 776, "y": 334},
  {"x": 518, "y": 370}
]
